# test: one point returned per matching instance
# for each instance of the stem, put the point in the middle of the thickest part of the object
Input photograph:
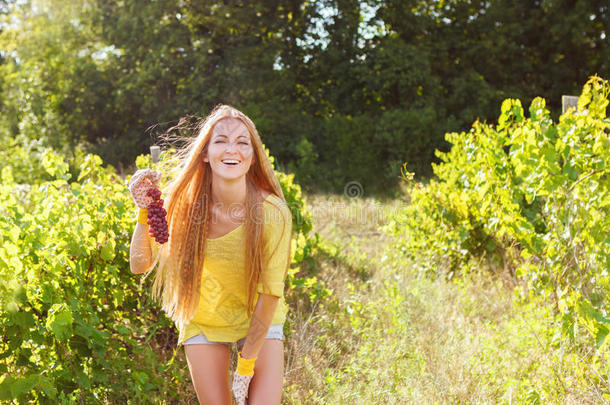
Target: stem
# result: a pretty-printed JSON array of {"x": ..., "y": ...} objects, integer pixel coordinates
[
  {"x": 80, "y": 384},
  {"x": 585, "y": 177}
]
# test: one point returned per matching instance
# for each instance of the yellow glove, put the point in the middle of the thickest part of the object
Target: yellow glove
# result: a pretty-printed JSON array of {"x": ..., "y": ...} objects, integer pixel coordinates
[
  {"x": 242, "y": 377},
  {"x": 143, "y": 216}
]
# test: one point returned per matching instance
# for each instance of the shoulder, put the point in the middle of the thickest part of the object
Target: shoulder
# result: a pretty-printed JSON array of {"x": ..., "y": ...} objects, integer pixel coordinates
[{"x": 276, "y": 210}]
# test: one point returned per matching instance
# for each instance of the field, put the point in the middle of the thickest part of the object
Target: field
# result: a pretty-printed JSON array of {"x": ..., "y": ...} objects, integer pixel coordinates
[
  {"x": 387, "y": 336},
  {"x": 488, "y": 283}
]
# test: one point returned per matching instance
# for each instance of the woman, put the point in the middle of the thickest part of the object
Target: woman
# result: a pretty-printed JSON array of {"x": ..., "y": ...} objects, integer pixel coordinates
[{"x": 228, "y": 248}]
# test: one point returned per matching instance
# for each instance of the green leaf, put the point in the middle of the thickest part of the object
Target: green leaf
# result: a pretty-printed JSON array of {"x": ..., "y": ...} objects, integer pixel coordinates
[
  {"x": 46, "y": 384},
  {"x": 54, "y": 164},
  {"x": 108, "y": 251},
  {"x": 25, "y": 319},
  {"x": 90, "y": 333},
  {"x": 13, "y": 233},
  {"x": 11, "y": 249},
  {"x": 21, "y": 386},
  {"x": 59, "y": 321},
  {"x": 600, "y": 336},
  {"x": 20, "y": 295},
  {"x": 589, "y": 312},
  {"x": 6, "y": 382},
  {"x": 12, "y": 307}
]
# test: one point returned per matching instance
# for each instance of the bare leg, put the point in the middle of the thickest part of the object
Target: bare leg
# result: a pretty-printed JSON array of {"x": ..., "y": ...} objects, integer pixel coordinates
[
  {"x": 266, "y": 384},
  {"x": 209, "y": 366}
]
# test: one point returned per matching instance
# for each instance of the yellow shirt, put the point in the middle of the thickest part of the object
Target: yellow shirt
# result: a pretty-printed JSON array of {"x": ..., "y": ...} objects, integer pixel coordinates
[{"x": 222, "y": 314}]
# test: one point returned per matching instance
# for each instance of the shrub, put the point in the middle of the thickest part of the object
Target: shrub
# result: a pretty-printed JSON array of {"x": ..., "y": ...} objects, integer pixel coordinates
[{"x": 530, "y": 195}]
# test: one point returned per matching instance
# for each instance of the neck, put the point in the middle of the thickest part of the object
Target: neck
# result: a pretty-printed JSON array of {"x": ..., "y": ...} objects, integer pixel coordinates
[{"x": 228, "y": 192}]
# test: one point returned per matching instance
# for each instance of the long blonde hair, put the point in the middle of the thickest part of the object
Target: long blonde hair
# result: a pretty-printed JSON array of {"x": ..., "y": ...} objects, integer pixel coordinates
[{"x": 187, "y": 200}]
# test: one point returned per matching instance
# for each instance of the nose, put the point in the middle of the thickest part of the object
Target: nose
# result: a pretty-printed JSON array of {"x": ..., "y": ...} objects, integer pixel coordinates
[{"x": 229, "y": 147}]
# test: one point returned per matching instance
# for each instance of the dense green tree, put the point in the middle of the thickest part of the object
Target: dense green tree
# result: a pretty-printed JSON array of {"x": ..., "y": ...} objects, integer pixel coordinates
[
  {"x": 331, "y": 84},
  {"x": 522, "y": 49},
  {"x": 109, "y": 70}
]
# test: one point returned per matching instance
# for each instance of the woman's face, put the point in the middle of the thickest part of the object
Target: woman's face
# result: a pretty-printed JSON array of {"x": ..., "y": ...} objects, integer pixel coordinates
[{"x": 229, "y": 143}]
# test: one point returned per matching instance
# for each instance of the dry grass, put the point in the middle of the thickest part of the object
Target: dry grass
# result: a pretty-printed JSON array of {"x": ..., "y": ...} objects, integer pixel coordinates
[
  {"x": 326, "y": 338},
  {"x": 386, "y": 336}
]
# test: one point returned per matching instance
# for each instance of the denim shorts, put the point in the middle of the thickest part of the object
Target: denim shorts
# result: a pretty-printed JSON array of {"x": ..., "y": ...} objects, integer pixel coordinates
[{"x": 276, "y": 331}]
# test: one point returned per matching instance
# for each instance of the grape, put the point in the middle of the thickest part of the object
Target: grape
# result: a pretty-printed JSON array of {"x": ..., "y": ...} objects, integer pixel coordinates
[{"x": 156, "y": 216}]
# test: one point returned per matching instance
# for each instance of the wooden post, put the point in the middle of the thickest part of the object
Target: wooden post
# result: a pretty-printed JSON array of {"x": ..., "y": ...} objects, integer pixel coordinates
[
  {"x": 155, "y": 151},
  {"x": 568, "y": 102}
]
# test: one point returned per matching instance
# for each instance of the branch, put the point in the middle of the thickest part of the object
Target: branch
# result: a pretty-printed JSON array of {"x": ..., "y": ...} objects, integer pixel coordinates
[{"x": 584, "y": 178}]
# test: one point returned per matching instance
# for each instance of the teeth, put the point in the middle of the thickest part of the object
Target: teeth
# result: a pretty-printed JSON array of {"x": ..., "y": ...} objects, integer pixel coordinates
[{"x": 230, "y": 161}]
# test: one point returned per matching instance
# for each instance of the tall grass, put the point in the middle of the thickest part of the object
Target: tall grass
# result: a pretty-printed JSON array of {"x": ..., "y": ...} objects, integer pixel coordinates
[{"x": 389, "y": 336}]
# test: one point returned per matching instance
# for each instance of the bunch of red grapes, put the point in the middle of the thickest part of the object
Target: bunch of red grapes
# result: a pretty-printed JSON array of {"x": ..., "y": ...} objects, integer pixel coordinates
[{"x": 156, "y": 216}]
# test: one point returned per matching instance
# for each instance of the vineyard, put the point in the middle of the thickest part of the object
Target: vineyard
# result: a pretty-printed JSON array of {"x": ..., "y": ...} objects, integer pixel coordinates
[
  {"x": 528, "y": 200},
  {"x": 76, "y": 325},
  {"x": 489, "y": 283}
]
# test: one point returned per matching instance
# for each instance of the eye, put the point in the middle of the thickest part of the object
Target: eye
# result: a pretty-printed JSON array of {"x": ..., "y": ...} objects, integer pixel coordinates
[
  {"x": 219, "y": 142},
  {"x": 244, "y": 143}
]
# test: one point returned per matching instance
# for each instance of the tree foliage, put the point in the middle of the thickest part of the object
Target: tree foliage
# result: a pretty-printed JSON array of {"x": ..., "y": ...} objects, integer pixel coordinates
[{"x": 111, "y": 74}]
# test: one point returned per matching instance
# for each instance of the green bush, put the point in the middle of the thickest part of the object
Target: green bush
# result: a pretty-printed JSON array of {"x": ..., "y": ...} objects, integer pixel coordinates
[
  {"x": 530, "y": 196},
  {"x": 76, "y": 324}
]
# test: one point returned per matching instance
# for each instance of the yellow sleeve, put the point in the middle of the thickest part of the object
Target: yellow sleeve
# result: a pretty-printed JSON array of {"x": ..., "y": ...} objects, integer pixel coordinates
[{"x": 277, "y": 234}]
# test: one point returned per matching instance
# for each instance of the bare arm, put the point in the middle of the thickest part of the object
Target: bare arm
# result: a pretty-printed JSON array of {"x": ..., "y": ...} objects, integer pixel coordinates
[
  {"x": 259, "y": 325},
  {"x": 139, "y": 251}
]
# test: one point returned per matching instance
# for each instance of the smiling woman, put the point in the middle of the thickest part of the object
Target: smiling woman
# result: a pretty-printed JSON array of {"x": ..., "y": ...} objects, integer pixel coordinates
[
  {"x": 225, "y": 135},
  {"x": 221, "y": 275}
]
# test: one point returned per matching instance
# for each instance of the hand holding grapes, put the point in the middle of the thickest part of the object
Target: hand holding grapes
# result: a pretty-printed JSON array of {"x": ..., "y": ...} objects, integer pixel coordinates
[{"x": 142, "y": 181}]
